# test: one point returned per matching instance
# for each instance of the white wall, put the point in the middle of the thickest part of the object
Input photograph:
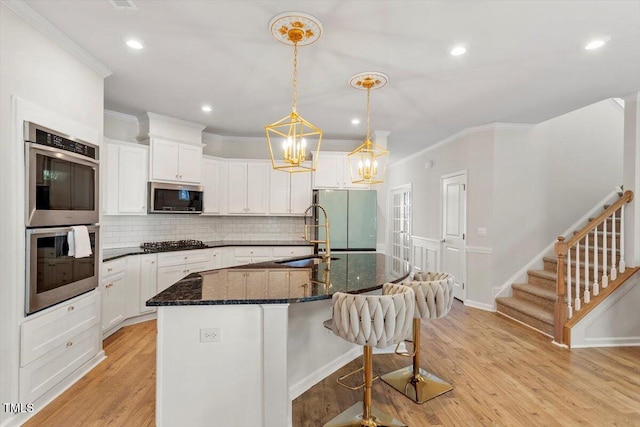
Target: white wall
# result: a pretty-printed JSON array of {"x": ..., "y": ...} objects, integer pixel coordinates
[
  {"x": 526, "y": 184},
  {"x": 58, "y": 83}
]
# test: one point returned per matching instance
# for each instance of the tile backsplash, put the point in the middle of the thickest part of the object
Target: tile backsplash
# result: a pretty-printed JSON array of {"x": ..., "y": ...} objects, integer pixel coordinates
[{"x": 126, "y": 231}]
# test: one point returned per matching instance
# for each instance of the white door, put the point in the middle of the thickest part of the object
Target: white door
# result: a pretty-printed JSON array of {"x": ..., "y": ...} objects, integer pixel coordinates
[
  {"x": 454, "y": 228},
  {"x": 132, "y": 180},
  {"x": 400, "y": 228}
]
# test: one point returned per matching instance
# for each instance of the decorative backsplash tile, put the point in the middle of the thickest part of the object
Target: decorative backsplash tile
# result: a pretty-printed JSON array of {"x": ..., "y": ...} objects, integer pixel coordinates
[{"x": 125, "y": 231}]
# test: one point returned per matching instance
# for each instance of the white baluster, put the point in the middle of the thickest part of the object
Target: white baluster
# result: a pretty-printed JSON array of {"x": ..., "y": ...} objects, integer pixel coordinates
[
  {"x": 587, "y": 294},
  {"x": 605, "y": 278},
  {"x": 622, "y": 265},
  {"x": 569, "y": 307},
  {"x": 614, "y": 273},
  {"x": 577, "y": 301},
  {"x": 596, "y": 288}
]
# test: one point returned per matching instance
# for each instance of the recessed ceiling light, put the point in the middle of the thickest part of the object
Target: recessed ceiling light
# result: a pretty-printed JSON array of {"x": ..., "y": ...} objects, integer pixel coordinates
[
  {"x": 596, "y": 43},
  {"x": 458, "y": 50},
  {"x": 355, "y": 121},
  {"x": 136, "y": 44},
  {"x": 207, "y": 108}
]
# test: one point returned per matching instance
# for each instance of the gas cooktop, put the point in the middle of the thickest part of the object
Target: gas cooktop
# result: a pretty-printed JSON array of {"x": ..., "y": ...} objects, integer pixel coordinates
[{"x": 172, "y": 245}]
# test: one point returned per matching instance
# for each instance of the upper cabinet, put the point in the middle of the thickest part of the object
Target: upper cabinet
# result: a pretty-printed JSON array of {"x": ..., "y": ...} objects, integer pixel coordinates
[
  {"x": 247, "y": 187},
  {"x": 214, "y": 177},
  {"x": 333, "y": 172},
  {"x": 175, "y": 162},
  {"x": 289, "y": 194},
  {"x": 125, "y": 178}
]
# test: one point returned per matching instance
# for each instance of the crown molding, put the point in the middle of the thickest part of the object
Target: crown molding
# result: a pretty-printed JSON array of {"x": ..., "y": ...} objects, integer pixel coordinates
[
  {"x": 120, "y": 116},
  {"x": 145, "y": 117},
  {"x": 461, "y": 134},
  {"x": 20, "y": 8},
  {"x": 618, "y": 103}
]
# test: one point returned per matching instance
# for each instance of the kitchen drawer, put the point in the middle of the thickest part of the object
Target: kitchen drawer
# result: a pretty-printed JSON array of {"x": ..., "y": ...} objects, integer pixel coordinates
[
  {"x": 41, "y": 375},
  {"x": 169, "y": 259},
  {"x": 112, "y": 268},
  {"x": 43, "y": 334},
  {"x": 197, "y": 267},
  {"x": 253, "y": 251},
  {"x": 291, "y": 251}
]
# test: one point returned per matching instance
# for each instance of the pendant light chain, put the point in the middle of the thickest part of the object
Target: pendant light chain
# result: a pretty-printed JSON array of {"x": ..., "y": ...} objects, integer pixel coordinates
[
  {"x": 368, "y": 111},
  {"x": 295, "y": 77}
]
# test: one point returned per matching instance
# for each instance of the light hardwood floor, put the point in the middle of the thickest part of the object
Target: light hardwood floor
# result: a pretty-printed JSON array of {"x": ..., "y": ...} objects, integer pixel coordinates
[{"x": 503, "y": 373}]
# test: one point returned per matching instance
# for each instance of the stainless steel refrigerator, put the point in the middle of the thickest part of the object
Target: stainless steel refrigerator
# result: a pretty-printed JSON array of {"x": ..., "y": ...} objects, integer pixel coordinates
[{"x": 352, "y": 218}]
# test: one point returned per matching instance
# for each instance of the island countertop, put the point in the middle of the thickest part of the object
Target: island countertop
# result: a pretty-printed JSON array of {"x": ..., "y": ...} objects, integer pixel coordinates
[{"x": 284, "y": 281}]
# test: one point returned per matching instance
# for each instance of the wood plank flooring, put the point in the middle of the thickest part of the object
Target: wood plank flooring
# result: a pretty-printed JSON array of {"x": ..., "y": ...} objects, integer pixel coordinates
[{"x": 503, "y": 374}]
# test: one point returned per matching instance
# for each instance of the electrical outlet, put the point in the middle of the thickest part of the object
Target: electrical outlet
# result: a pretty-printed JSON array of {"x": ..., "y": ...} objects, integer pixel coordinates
[{"x": 210, "y": 335}]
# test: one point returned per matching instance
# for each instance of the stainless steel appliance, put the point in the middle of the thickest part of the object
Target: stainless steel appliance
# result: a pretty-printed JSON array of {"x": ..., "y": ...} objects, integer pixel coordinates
[
  {"x": 62, "y": 178},
  {"x": 353, "y": 218},
  {"x": 175, "y": 198},
  {"x": 52, "y": 275}
]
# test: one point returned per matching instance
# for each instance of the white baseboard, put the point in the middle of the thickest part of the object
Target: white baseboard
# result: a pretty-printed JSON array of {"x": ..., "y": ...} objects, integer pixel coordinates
[
  {"x": 312, "y": 379},
  {"x": 609, "y": 342},
  {"x": 128, "y": 322},
  {"x": 56, "y": 391},
  {"x": 480, "y": 305}
]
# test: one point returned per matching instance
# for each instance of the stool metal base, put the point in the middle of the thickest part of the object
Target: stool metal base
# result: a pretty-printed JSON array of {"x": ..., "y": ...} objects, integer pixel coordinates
[
  {"x": 422, "y": 387},
  {"x": 352, "y": 417}
]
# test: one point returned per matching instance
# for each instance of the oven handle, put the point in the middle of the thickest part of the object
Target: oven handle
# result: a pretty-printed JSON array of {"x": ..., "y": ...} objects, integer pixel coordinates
[
  {"x": 62, "y": 154},
  {"x": 58, "y": 230}
]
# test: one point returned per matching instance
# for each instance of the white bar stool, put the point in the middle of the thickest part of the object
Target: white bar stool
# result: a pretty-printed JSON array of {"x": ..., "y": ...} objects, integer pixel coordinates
[
  {"x": 370, "y": 321},
  {"x": 434, "y": 297}
]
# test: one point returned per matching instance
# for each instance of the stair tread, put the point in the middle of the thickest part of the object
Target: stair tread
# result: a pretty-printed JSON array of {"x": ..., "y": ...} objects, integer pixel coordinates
[
  {"x": 528, "y": 308},
  {"x": 538, "y": 291},
  {"x": 600, "y": 233},
  {"x": 552, "y": 275},
  {"x": 555, "y": 261}
]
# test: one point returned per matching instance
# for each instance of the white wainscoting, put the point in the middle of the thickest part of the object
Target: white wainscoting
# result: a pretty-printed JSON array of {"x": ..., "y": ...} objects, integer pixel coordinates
[{"x": 425, "y": 254}]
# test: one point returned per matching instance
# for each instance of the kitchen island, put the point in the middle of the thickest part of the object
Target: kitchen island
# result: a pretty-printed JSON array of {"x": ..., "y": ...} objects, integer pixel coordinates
[{"x": 237, "y": 345}]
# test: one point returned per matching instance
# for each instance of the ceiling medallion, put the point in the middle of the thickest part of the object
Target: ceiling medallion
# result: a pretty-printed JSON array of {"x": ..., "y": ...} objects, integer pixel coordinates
[
  {"x": 300, "y": 140},
  {"x": 368, "y": 162}
]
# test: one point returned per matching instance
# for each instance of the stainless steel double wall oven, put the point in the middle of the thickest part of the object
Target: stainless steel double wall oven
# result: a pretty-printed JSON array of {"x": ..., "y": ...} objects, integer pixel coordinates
[{"x": 62, "y": 179}]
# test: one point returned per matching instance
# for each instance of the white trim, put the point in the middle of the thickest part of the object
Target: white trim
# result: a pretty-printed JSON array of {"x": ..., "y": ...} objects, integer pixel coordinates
[
  {"x": 146, "y": 138},
  {"x": 313, "y": 378},
  {"x": 120, "y": 116},
  {"x": 27, "y": 13},
  {"x": 381, "y": 248},
  {"x": 523, "y": 324},
  {"x": 420, "y": 245},
  {"x": 463, "y": 133},
  {"x": 479, "y": 305},
  {"x": 538, "y": 258},
  {"x": 618, "y": 103},
  {"x": 389, "y": 236},
  {"x": 479, "y": 250},
  {"x": 128, "y": 322},
  {"x": 610, "y": 342},
  {"x": 145, "y": 117}
]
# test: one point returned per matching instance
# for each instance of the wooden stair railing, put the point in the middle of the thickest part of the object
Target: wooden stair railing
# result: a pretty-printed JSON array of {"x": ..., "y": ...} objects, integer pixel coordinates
[{"x": 573, "y": 298}]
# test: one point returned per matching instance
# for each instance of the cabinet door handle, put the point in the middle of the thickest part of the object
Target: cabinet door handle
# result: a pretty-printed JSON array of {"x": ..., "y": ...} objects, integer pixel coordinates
[
  {"x": 70, "y": 308},
  {"x": 109, "y": 285},
  {"x": 153, "y": 262},
  {"x": 109, "y": 269},
  {"x": 185, "y": 257},
  {"x": 69, "y": 344},
  {"x": 180, "y": 176}
]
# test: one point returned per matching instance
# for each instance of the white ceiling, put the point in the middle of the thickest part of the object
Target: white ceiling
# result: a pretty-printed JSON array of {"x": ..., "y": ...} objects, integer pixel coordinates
[{"x": 525, "y": 62}]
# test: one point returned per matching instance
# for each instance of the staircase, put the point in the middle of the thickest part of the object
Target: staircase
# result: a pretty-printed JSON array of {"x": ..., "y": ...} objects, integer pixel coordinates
[{"x": 532, "y": 303}]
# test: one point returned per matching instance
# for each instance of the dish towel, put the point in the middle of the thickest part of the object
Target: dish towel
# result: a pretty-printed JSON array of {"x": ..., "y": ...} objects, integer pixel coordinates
[{"x": 78, "y": 241}]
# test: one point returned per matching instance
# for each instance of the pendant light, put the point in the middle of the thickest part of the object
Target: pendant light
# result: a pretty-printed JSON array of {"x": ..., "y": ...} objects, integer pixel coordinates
[
  {"x": 295, "y": 141},
  {"x": 368, "y": 162}
]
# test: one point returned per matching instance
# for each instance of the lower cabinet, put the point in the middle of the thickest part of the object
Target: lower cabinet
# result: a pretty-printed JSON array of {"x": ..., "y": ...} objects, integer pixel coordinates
[
  {"x": 113, "y": 290},
  {"x": 148, "y": 281},
  {"x": 173, "y": 266},
  {"x": 57, "y": 342}
]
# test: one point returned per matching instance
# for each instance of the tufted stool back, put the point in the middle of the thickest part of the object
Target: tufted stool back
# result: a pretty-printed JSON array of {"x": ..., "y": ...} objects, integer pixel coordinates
[
  {"x": 374, "y": 320},
  {"x": 434, "y": 293}
]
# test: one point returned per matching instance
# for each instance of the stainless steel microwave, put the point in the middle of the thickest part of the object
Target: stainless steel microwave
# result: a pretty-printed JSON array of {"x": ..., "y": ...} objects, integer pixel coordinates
[
  {"x": 175, "y": 198},
  {"x": 62, "y": 178},
  {"x": 52, "y": 275}
]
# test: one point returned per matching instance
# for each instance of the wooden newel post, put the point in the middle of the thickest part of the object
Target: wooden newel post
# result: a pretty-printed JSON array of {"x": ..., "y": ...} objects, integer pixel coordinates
[{"x": 560, "y": 308}]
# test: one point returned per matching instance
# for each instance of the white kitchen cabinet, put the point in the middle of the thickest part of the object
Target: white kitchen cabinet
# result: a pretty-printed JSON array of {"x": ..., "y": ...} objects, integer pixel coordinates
[
  {"x": 280, "y": 252},
  {"x": 175, "y": 162},
  {"x": 289, "y": 194},
  {"x": 214, "y": 183},
  {"x": 148, "y": 281},
  {"x": 252, "y": 254},
  {"x": 333, "y": 172},
  {"x": 246, "y": 284},
  {"x": 248, "y": 185},
  {"x": 113, "y": 292},
  {"x": 173, "y": 266},
  {"x": 125, "y": 180}
]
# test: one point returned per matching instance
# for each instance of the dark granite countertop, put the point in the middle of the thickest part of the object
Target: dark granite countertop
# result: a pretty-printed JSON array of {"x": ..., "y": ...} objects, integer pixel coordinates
[
  {"x": 286, "y": 281},
  {"x": 111, "y": 254}
]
